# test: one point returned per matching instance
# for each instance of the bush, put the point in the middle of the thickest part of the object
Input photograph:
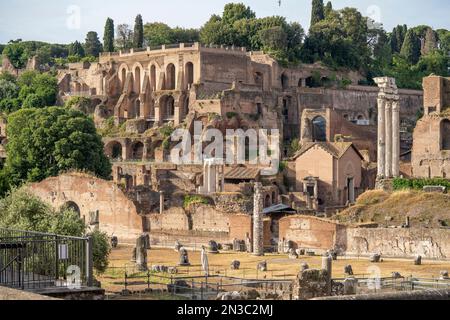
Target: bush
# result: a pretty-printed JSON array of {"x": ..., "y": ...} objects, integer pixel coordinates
[
  {"x": 195, "y": 199},
  {"x": 101, "y": 250}
]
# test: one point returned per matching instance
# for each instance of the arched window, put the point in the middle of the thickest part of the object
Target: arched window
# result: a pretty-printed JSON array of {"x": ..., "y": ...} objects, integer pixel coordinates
[
  {"x": 114, "y": 150},
  {"x": 153, "y": 77},
  {"x": 319, "y": 129},
  {"x": 189, "y": 73},
  {"x": 284, "y": 81},
  {"x": 70, "y": 205},
  {"x": 137, "y": 80},
  {"x": 445, "y": 134},
  {"x": 137, "y": 151},
  {"x": 168, "y": 107},
  {"x": 170, "y": 77}
]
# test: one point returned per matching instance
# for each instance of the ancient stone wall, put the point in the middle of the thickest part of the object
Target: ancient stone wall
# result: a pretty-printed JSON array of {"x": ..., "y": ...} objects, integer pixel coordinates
[
  {"x": 429, "y": 243},
  {"x": 431, "y": 147},
  {"x": 356, "y": 101},
  {"x": 309, "y": 232},
  {"x": 117, "y": 214}
]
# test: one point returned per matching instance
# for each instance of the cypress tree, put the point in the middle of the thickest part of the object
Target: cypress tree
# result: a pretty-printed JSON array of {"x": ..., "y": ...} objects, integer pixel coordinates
[
  {"x": 411, "y": 47},
  {"x": 108, "y": 38},
  {"x": 138, "y": 36},
  {"x": 317, "y": 13},
  {"x": 328, "y": 9},
  {"x": 92, "y": 46}
]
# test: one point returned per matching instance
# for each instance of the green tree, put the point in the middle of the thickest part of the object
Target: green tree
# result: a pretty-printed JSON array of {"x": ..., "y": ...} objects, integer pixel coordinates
[
  {"x": 444, "y": 40},
  {"x": 45, "y": 142},
  {"x": 318, "y": 12},
  {"x": 236, "y": 11},
  {"x": 328, "y": 9},
  {"x": 157, "y": 34},
  {"x": 411, "y": 47},
  {"x": 108, "y": 37},
  {"x": 138, "y": 35},
  {"x": 17, "y": 54},
  {"x": 100, "y": 251},
  {"x": 22, "y": 210},
  {"x": 8, "y": 89},
  {"x": 92, "y": 45}
]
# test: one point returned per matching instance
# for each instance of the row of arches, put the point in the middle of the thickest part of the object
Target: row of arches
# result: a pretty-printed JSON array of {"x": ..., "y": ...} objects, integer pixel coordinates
[
  {"x": 138, "y": 109},
  {"x": 168, "y": 79},
  {"x": 122, "y": 151}
]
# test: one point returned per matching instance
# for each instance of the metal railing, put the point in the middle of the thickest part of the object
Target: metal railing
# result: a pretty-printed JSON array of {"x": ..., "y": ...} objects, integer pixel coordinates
[
  {"x": 36, "y": 261},
  {"x": 197, "y": 287}
]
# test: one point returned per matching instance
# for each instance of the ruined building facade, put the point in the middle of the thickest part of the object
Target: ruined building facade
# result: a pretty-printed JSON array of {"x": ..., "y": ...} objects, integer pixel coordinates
[{"x": 431, "y": 150}]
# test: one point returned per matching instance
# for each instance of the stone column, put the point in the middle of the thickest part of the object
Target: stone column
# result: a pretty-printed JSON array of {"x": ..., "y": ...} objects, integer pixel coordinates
[
  {"x": 327, "y": 265},
  {"x": 258, "y": 224},
  {"x": 396, "y": 139},
  {"x": 388, "y": 119},
  {"x": 161, "y": 202},
  {"x": 381, "y": 138}
]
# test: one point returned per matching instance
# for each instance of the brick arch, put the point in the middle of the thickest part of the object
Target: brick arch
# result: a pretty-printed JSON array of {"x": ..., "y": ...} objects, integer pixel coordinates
[
  {"x": 114, "y": 150},
  {"x": 445, "y": 134},
  {"x": 138, "y": 77},
  {"x": 123, "y": 72},
  {"x": 118, "y": 214},
  {"x": 171, "y": 72}
]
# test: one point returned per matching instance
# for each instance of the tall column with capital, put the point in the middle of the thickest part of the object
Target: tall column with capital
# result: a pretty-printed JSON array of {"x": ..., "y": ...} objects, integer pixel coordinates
[
  {"x": 381, "y": 137},
  {"x": 388, "y": 119},
  {"x": 396, "y": 138}
]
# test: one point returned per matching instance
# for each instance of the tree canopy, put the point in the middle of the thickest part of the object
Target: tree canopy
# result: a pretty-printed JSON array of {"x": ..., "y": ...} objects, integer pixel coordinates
[
  {"x": 45, "y": 142},
  {"x": 21, "y": 210},
  {"x": 92, "y": 45}
]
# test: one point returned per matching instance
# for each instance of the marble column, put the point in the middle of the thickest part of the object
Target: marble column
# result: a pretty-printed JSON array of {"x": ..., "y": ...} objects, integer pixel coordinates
[
  {"x": 258, "y": 223},
  {"x": 388, "y": 120},
  {"x": 396, "y": 138},
  {"x": 381, "y": 137},
  {"x": 161, "y": 202}
]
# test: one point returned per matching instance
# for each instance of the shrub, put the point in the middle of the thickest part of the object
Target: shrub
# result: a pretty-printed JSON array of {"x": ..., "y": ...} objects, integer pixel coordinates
[{"x": 195, "y": 199}]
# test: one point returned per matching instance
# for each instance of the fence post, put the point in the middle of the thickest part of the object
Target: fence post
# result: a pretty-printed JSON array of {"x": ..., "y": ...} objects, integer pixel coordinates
[
  {"x": 192, "y": 288},
  {"x": 89, "y": 262},
  {"x": 126, "y": 280},
  {"x": 56, "y": 258},
  {"x": 148, "y": 279}
]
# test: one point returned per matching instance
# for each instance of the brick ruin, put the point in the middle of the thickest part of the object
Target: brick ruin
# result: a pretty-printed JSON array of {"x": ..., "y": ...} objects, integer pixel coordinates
[
  {"x": 143, "y": 91},
  {"x": 431, "y": 150}
]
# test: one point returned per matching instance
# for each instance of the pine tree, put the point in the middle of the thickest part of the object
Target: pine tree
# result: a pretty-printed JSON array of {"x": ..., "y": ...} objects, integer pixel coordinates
[
  {"x": 92, "y": 46},
  {"x": 138, "y": 36},
  {"x": 76, "y": 49},
  {"x": 108, "y": 38},
  {"x": 411, "y": 47},
  {"x": 317, "y": 13},
  {"x": 328, "y": 9},
  {"x": 430, "y": 43}
]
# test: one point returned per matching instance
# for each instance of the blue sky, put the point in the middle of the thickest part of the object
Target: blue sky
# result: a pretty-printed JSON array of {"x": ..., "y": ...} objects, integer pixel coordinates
[{"x": 56, "y": 20}]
